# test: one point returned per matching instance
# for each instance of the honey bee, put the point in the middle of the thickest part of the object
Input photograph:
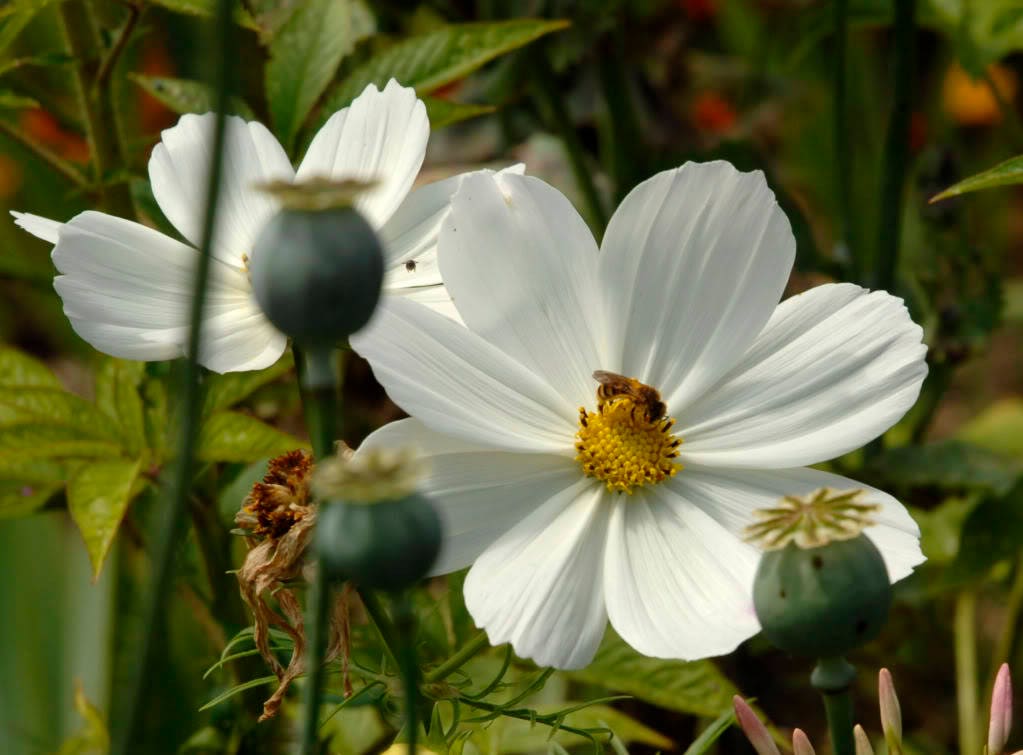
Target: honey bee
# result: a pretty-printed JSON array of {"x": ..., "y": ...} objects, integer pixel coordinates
[{"x": 612, "y": 384}]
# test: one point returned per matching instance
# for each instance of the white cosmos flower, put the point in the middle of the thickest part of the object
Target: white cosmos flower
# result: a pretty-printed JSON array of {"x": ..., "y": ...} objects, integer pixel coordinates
[
  {"x": 126, "y": 288},
  {"x": 682, "y": 295}
]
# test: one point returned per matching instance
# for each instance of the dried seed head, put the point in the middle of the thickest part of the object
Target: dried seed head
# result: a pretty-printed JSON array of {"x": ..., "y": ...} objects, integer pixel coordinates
[
  {"x": 818, "y": 518},
  {"x": 318, "y": 193},
  {"x": 277, "y": 503}
]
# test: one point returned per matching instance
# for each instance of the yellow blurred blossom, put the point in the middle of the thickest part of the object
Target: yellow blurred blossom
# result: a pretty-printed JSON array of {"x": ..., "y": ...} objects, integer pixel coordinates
[{"x": 971, "y": 102}]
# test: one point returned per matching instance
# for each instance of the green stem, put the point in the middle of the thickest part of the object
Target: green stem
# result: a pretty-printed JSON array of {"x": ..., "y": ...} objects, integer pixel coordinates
[
  {"x": 106, "y": 67},
  {"x": 66, "y": 169},
  {"x": 176, "y": 506},
  {"x": 96, "y": 105},
  {"x": 843, "y": 142},
  {"x": 833, "y": 678},
  {"x": 551, "y": 103},
  {"x": 621, "y": 138},
  {"x": 1009, "y": 115},
  {"x": 896, "y": 153},
  {"x": 405, "y": 624},
  {"x": 318, "y": 381},
  {"x": 459, "y": 659},
  {"x": 382, "y": 623},
  {"x": 966, "y": 673},
  {"x": 1013, "y": 604}
]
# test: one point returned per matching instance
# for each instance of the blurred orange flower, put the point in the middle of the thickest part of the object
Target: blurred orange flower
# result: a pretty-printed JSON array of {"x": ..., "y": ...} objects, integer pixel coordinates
[
  {"x": 47, "y": 131},
  {"x": 970, "y": 102},
  {"x": 713, "y": 114}
]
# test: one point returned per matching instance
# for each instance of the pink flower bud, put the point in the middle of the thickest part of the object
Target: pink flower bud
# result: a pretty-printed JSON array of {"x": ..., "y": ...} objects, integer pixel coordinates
[
  {"x": 1001, "y": 712},
  {"x": 891, "y": 713},
  {"x": 754, "y": 730},
  {"x": 800, "y": 744},
  {"x": 863, "y": 746}
]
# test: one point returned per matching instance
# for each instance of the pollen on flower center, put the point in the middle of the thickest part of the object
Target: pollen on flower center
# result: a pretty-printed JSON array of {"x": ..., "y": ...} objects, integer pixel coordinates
[{"x": 622, "y": 447}]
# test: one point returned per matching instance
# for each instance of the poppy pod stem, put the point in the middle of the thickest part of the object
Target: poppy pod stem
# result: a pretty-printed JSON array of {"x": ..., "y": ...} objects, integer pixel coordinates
[
  {"x": 832, "y": 677},
  {"x": 405, "y": 624}
]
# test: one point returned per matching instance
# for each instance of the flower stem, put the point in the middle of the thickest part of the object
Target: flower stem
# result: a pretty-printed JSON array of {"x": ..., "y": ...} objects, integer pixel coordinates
[
  {"x": 318, "y": 380},
  {"x": 551, "y": 103},
  {"x": 966, "y": 673},
  {"x": 896, "y": 152},
  {"x": 176, "y": 505},
  {"x": 833, "y": 677},
  {"x": 96, "y": 105},
  {"x": 843, "y": 143},
  {"x": 66, "y": 169},
  {"x": 405, "y": 624},
  {"x": 459, "y": 659}
]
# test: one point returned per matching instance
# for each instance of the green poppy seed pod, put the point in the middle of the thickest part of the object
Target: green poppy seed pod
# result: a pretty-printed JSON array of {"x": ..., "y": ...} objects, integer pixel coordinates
[
  {"x": 822, "y": 601},
  {"x": 387, "y": 545},
  {"x": 317, "y": 273}
]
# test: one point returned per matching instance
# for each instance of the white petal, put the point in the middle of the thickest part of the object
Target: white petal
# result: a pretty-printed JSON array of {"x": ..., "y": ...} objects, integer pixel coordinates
[
  {"x": 693, "y": 263},
  {"x": 40, "y": 227},
  {"x": 127, "y": 291},
  {"x": 479, "y": 493},
  {"x": 835, "y": 367},
  {"x": 179, "y": 169},
  {"x": 678, "y": 583},
  {"x": 458, "y": 384},
  {"x": 411, "y": 233},
  {"x": 433, "y": 296},
  {"x": 540, "y": 587},
  {"x": 520, "y": 265},
  {"x": 240, "y": 339},
  {"x": 731, "y": 495},
  {"x": 382, "y": 137}
]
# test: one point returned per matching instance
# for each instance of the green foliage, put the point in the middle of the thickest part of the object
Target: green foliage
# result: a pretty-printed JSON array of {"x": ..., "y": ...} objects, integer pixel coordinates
[
  {"x": 951, "y": 464},
  {"x": 93, "y": 738},
  {"x": 998, "y": 428},
  {"x": 445, "y": 112},
  {"x": 185, "y": 96},
  {"x": 12, "y": 101},
  {"x": 304, "y": 56},
  {"x": 231, "y": 388},
  {"x": 16, "y": 16},
  {"x": 696, "y": 687},
  {"x": 991, "y": 533},
  {"x": 117, "y": 395},
  {"x": 712, "y": 733},
  {"x": 983, "y": 32},
  {"x": 1008, "y": 173},
  {"x": 429, "y": 61},
  {"x": 98, "y": 495},
  {"x": 232, "y": 436}
]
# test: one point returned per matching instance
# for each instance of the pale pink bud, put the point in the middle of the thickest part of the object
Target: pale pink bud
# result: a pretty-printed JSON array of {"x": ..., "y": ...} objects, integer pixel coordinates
[
  {"x": 863, "y": 746},
  {"x": 801, "y": 744},
  {"x": 1001, "y": 712},
  {"x": 891, "y": 713},
  {"x": 754, "y": 730}
]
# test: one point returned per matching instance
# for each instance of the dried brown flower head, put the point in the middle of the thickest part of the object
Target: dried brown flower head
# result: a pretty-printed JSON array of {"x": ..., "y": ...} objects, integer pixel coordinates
[{"x": 274, "y": 505}]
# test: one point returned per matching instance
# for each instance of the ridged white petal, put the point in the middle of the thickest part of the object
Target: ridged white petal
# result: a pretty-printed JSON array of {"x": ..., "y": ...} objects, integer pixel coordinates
[
  {"x": 835, "y": 367},
  {"x": 540, "y": 586},
  {"x": 178, "y": 171},
  {"x": 38, "y": 226},
  {"x": 479, "y": 493},
  {"x": 458, "y": 384},
  {"x": 730, "y": 496},
  {"x": 382, "y": 137},
  {"x": 678, "y": 583},
  {"x": 520, "y": 265},
  {"x": 693, "y": 263}
]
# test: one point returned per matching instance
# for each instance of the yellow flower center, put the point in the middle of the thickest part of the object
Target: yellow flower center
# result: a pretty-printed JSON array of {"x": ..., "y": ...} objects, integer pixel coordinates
[{"x": 623, "y": 447}]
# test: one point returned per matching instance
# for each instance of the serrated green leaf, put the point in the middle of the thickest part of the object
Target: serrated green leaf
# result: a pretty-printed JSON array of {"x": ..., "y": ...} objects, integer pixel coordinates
[
  {"x": 30, "y": 405},
  {"x": 696, "y": 687},
  {"x": 21, "y": 498},
  {"x": 304, "y": 57},
  {"x": 204, "y": 8},
  {"x": 948, "y": 464},
  {"x": 187, "y": 96},
  {"x": 227, "y": 390},
  {"x": 117, "y": 396},
  {"x": 231, "y": 436},
  {"x": 444, "y": 112},
  {"x": 154, "y": 400},
  {"x": 1007, "y": 173},
  {"x": 48, "y": 59},
  {"x": 429, "y": 61},
  {"x": 51, "y": 442},
  {"x": 98, "y": 495},
  {"x": 19, "y": 369}
]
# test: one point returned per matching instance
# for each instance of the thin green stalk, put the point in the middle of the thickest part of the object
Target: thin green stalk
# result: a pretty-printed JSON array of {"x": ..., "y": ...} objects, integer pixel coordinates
[
  {"x": 459, "y": 659},
  {"x": 405, "y": 623},
  {"x": 96, "y": 105},
  {"x": 551, "y": 104},
  {"x": 380, "y": 620},
  {"x": 843, "y": 141},
  {"x": 621, "y": 137},
  {"x": 66, "y": 169},
  {"x": 106, "y": 66},
  {"x": 833, "y": 678},
  {"x": 176, "y": 504},
  {"x": 896, "y": 152},
  {"x": 1006, "y": 642},
  {"x": 318, "y": 379},
  {"x": 967, "y": 700},
  {"x": 1009, "y": 115}
]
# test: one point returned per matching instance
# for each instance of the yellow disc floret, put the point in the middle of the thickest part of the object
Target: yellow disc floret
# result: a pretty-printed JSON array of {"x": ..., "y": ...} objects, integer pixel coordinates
[{"x": 623, "y": 447}]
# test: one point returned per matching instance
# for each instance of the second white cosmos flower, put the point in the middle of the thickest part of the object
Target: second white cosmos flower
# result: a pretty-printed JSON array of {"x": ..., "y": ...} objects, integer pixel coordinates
[
  {"x": 574, "y": 509},
  {"x": 126, "y": 288}
]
